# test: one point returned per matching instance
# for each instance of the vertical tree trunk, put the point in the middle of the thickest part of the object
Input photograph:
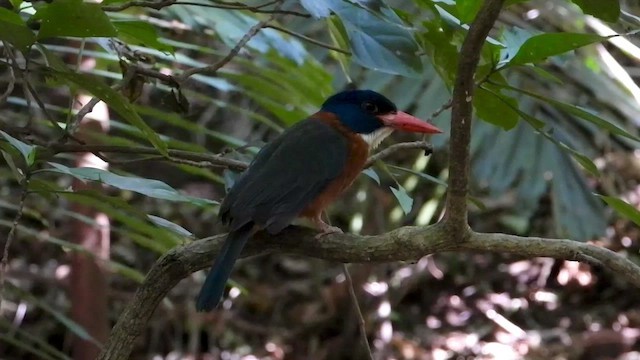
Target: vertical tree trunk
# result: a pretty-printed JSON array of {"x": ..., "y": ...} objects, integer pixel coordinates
[{"x": 89, "y": 288}]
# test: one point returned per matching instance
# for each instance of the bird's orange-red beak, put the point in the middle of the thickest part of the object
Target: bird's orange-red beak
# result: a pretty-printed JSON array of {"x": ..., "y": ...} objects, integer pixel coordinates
[{"x": 406, "y": 122}]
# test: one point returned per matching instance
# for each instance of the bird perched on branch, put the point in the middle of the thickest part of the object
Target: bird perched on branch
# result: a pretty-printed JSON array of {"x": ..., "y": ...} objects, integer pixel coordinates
[{"x": 303, "y": 171}]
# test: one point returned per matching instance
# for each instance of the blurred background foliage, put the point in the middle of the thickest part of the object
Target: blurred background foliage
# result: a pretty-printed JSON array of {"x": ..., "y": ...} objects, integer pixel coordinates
[{"x": 557, "y": 124}]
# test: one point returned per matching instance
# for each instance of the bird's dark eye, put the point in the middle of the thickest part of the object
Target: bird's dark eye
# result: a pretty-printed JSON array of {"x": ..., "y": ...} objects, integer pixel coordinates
[{"x": 370, "y": 107}]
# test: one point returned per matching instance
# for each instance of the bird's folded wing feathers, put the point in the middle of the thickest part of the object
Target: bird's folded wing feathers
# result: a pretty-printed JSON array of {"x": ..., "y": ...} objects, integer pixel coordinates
[{"x": 286, "y": 175}]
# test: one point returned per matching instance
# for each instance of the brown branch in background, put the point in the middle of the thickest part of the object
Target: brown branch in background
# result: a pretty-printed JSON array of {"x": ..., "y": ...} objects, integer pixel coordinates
[
  {"x": 461, "y": 112},
  {"x": 88, "y": 280},
  {"x": 404, "y": 244},
  {"x": 212, "y": 69}
]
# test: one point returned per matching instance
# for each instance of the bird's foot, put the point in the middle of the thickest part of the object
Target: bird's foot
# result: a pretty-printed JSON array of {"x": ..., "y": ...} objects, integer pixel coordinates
[{"x": 325, "y": 228}]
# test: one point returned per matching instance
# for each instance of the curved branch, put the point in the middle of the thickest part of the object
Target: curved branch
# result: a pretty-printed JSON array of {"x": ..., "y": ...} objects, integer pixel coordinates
[{"x": 403, "y": 244}]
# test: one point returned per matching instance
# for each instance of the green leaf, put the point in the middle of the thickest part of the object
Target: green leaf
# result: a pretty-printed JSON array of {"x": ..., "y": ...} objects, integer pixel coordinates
[
  {"x": 496, "y": 108},
  {"x": 16, "y": 3},
  {"x": 115, "y": 100},
  {"x": 14, "y": 30},
  {"x": 406, "y": 202},
  {"x": 17, "y": 172},
  {"x": 539, "y": 47},
  {"x": 607, "y": 10},
  {"x": 442, "y": 50},
  {"x": 372, "y": 174},
  {"x": 164, "y": 223},
  {"x": 317, "y": 8},
  {"x": 140, "y": 33},
  {"x": 27, "y": 151},
  {"x": 149, "y": 187},
  {"x": 623, "y": 208},
  {"x": 74, "y": 18},
  {"x": 467, "y": 9},
  {"x": 377, "y": 43},
  {"x": 420, "y": 174},
  {"x": 585, "y": 114}
]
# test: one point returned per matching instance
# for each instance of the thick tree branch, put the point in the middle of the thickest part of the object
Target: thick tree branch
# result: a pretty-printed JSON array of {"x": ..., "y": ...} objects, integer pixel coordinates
[
  {"x": 403, "y": 244},
  {"x": 461, "y": 112}
]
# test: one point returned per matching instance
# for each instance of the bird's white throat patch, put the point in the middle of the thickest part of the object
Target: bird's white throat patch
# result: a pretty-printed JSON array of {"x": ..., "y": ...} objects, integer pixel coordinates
[{"x": 375, "y": 138}]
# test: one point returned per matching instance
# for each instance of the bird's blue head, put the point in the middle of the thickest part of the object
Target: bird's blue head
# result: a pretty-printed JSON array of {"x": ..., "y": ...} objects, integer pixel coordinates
[{"x": 366, "y": 111}]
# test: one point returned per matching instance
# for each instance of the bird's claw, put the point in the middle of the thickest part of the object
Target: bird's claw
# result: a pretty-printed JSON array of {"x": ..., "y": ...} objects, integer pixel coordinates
[{"x": 328, "y": 229}]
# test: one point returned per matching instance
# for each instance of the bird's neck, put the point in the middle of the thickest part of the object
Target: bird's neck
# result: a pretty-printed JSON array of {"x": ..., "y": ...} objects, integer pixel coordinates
[{"x": 375, "y": 138}]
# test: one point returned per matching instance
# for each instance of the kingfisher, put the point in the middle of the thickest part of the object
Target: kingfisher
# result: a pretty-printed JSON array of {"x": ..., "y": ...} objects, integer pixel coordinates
[{"x": 301, "y": 172}]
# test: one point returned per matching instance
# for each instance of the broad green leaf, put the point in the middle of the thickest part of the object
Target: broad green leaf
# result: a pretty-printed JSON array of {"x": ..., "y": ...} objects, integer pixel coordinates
[
  {"x": 170, "y": 226},
  {"x": 148, "y": 187},
  {"x": 406, "y": 202},
  {"x": 539, "y": 47},
  {"x": 580, "y": 112},
  {"x": 538, "y": 124},
  {"x": 607, "y": 10},
  {"x": 513, "y": 39},
  {"x": 623, "y": 208},
  {"x": 496, "y": 108},
  {"x": 14, "y": 30},
  {"x": 17, "y": 172},
  {"x": 74, "y": 18},
  {"x": 377, "y": 43},
  {"x": 115, "y": 100},
  {"x": 317, "y": 8},
  {"x": 441, "y": 47},
  {"x": 137, "y": 225},
  {"x": 372, "y": 174},
  {"x": 27, "y": 151},
  {"x": 16, "y": 3},
  {"x": 467, "y": 9},
  {"x": 140, "y": 33}
]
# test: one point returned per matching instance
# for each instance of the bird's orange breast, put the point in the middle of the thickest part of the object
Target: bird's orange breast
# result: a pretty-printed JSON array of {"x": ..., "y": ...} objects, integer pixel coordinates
[{"x": 356, "y": 158}]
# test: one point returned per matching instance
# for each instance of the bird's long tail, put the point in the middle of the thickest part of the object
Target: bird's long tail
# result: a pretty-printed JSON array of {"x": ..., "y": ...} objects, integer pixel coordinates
[{"x": 214, "y": 284}]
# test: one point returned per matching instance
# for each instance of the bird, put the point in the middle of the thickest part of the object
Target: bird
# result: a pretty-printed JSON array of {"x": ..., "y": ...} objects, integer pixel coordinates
[{"x": 301, "y": 172}]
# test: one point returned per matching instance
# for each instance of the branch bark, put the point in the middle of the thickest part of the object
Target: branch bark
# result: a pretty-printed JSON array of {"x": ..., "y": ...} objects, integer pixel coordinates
[
  {"x": 461, "y": 112},
  {"x": 403, "y": 244}
]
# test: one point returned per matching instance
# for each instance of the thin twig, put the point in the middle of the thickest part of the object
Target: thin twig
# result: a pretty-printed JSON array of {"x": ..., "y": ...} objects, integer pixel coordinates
[
  {"x": 12, "y": 77},
  {"x": 42, "y": 106},
  {"x": 4, "y": 263},
  {"x": 254, "y": 9},
  {"x": 419, "y": 145},
  {"x": 212, "y": 69},
  {"x": 179, "y": 156},
  {"x": 442, "y": 108},
  {"x": 354, "y": 299},
  {"x": 308, "y": 39},
  {"x": 157, "y": 5}
]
